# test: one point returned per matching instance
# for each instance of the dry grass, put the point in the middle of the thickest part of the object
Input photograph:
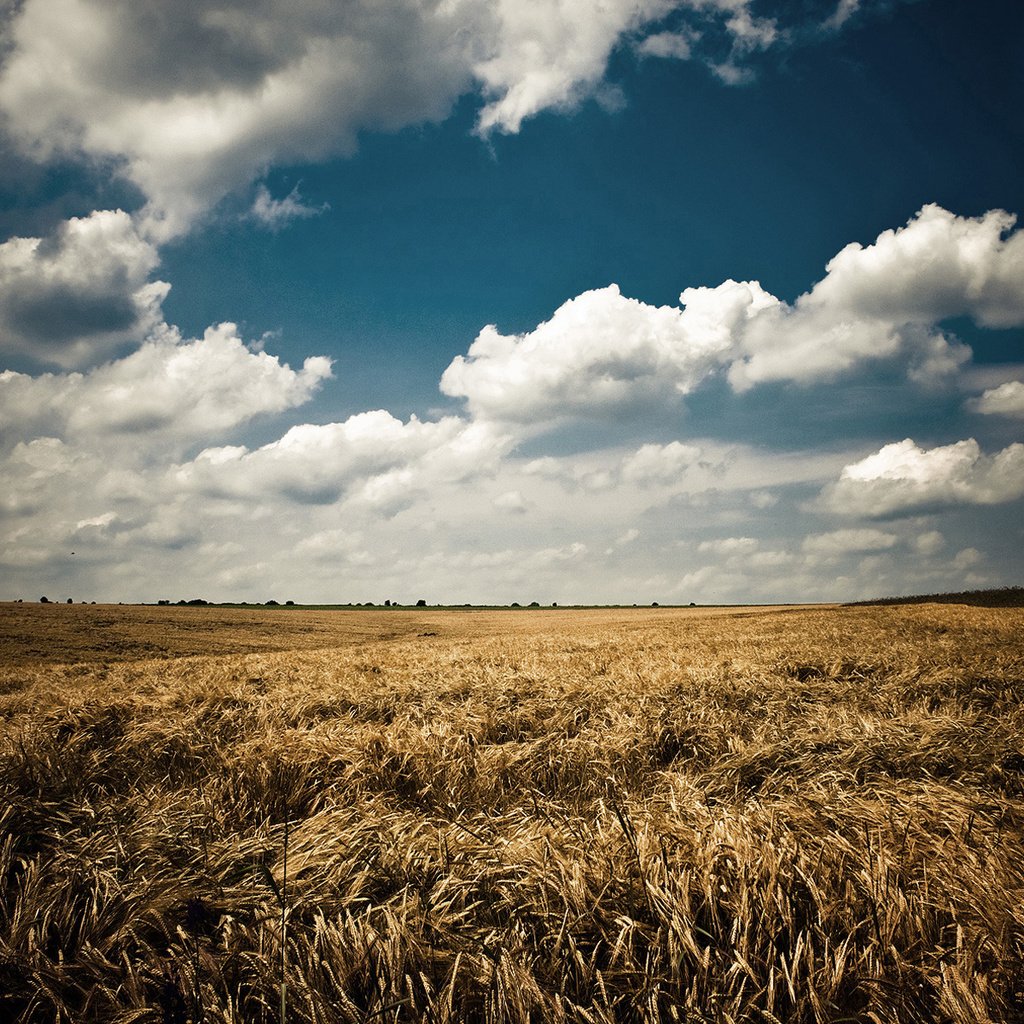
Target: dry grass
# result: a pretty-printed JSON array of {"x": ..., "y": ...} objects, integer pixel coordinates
[{"x": 802, "y": 816}]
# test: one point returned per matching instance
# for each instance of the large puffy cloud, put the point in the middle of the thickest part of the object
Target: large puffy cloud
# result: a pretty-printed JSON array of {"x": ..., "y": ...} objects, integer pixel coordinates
[
  {"x": 601, "y": 352},
  {"x": 905, "y": 478},
  {"x": 373, "y": 457},
  {"x": 887, "y": 298},
  {"x": 1005, "y": 400},
  {"x": 196, "y": 102},
  {"x": 100, "y": 464},
  {"x": 166, "y": 387},
  {"x": 191, "y": 102},
  {"x": 549, "y": 54},
  {"x": 80, "y": 293}
]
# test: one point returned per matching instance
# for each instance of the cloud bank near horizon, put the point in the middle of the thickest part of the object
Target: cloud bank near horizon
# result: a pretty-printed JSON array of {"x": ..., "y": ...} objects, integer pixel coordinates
[{"x": 141, "y": 466}]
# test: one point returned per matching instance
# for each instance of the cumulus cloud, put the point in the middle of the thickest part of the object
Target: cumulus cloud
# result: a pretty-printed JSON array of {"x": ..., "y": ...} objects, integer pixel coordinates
[
  {"x": 373, "y": 457},
  {"x": 602, "y": 354},
  {"x": 80, "y": 293},
  {"x": 1005, "y": 400},
  {"x": 549, "y": 55},
  {"x": 659, "y": 463},
  {"x": 192, "y": 103},
  {"x": 930, "y": 542},
  {"x": 903, "y": 478},
  {"x": 729, "y": 546},
  {"x": 510, "y": 501},
  {"x": 183, "y": 389},
  {"x": 888, "y": 298}
]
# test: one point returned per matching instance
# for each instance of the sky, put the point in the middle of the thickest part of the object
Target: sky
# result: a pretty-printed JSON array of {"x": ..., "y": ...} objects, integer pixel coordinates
[{"x": 482, "y": 301}]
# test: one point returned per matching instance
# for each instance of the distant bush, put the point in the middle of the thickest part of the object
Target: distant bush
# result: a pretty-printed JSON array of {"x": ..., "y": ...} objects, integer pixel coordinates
[
  {"x": 44, "y": 600},
  {"x": 272, "y": 603},
  {"x": 421, "y": 603}
]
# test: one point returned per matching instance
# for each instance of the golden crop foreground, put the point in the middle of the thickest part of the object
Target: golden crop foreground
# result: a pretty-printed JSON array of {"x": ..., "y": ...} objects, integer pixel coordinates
[{"x": 623, "y": 815}]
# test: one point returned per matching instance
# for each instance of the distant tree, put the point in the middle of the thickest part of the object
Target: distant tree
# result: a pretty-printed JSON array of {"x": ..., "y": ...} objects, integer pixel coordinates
[
  {"x": 70, "y": 600},
  {"x": 44, "y": 600},
  {"x": 164, "y": 601},
  {"x": 654, "y": 604},
  {"x": 421, "y": 603},
  {"x": 289, "y": 602},
  {"x": 515, "y": 604},
  {"x": 535, "y": 604},
  {"x": 272, "y": 603}
]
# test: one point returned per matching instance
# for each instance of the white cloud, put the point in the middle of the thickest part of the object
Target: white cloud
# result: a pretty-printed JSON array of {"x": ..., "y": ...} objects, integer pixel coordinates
[
  {"x": 722, "y": 34},
  {"x": 887, "y": 299},
  {"x": 551, "y": 54},
  {"x": 930, "y": 542},
  {"x": 664, "y": 464},
  {"x": 845, "y": 10},
  {"x": 80, "y": 293},
  {"x": 276, "y": 213},
  {"x": 601, "y": 353},
  {"x": 183, "y": 389},
  {"x": 902, "y": 477},
  {"x": 335, "y": 546},
  {"x": 190, "y": 104},
  {"x": 373, "y": 457},
  {"x": 729, "y": 546},
  {"x": 967, "y": 558},
  {"x": 677, "y": 45},
  {"x": 844, "y": 542},
  {"x": 510, "y": 501},
  {"x": 1005, "y": 400}
]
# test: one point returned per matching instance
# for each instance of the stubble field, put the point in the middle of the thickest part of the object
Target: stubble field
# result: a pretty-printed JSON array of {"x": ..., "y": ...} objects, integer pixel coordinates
[{"x": 799, "y": 815}]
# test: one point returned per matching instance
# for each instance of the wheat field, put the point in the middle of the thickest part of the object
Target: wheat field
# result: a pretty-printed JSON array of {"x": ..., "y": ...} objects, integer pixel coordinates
[{"x": 620, "y": 815}]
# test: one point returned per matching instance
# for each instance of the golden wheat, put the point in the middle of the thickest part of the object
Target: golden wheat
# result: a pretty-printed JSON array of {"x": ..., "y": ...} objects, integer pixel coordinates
[{"x": 607, "y": 816}]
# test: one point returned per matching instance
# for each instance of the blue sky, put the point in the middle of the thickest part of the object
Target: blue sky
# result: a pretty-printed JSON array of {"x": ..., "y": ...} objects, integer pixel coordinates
[{"x": 674, "y": 300}]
